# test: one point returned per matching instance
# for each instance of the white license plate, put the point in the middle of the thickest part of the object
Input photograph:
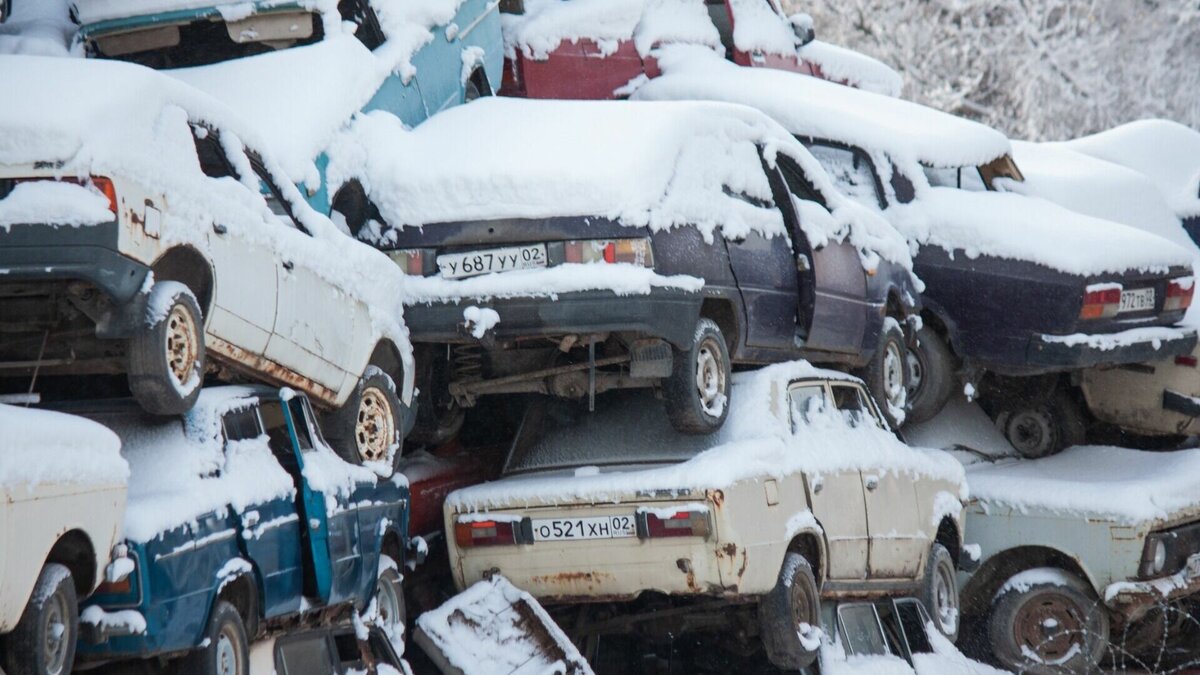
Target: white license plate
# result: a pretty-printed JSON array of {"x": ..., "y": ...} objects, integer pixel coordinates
[
  {"x": 603, "y": 527},
  {"x": 1139, "y": 300},
  {"x": 507, "y": 259},
  {"x": 1193, "y": 567}
]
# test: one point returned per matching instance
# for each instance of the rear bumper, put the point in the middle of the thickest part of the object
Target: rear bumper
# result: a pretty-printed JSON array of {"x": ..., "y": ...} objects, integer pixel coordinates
[
  {"x": 1136, "y": 345},
  {"x": 664, "y": 313},
  {"x": 45, "y": 253}
]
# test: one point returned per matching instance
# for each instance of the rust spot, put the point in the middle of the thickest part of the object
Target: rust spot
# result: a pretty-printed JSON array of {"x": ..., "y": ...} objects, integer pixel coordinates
[
  {"x": 717, "y": 497},
  {"x": 571, "y": 578},
  {"x": 742, "y": 569},
  {"x": 260, "y": 367},
  {"x": 730, "y": 549}
]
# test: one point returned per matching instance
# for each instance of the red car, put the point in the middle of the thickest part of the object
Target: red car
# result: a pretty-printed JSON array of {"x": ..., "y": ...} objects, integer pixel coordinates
[{"x": 433, "y": 474}]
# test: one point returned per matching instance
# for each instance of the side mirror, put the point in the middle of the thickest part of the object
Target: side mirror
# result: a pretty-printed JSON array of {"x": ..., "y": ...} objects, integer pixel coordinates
[{"x": 802, "y": 26}]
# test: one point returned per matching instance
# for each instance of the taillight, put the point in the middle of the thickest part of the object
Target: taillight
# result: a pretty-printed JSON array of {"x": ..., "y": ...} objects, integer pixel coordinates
[
  {"x": 1186, "y": 360},
  {"x": 1179, "y": 294},
  {"x": 1101, "y": 301},
  {"x": 104, "y": 185},
  {"x": 411, "y": 261},
  {"x": 632, "y": 251},
  {"x": 652, "y": 524},
  {"x": 471, "y": 533}
]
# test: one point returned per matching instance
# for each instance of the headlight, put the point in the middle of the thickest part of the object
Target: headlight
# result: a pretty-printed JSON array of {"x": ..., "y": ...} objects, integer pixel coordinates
[
  {"x": 1156, "y": 555},
  {"x": 1160, "y": 557}
]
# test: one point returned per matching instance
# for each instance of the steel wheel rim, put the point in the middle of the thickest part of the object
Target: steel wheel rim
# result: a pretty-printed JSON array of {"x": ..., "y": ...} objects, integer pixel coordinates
[
  {"x": 228, "y": 661},
  {"x": 893, "y": 375},
  {"x": 375, "y": 428},
  {"x": 1030, "y": 433},
  {"x": 710, "y": 378},
  {"x": 55, "y": 629},
  {"x": 916, "y": 372},
  {"x": 181, "y": 346},
  {"x": 391, "y": 607},
  {"x": 945, "y": 599},
  {"x": 803, "y": 610},
  {"x": 1050, "y": 642}
]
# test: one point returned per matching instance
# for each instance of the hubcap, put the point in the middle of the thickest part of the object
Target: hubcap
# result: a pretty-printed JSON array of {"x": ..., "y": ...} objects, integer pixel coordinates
[
  {"x": 228, "y": 658},
  {"x": 893, "y": 375},
  {"x": 1030, "y": 432},
  {"x": 375, "y": 430},
  {"x": 916, "y": 372},
  {"x": 1050, "y": 625},
  {"x": 55, "y": 629},
  {"x": 710, "y": 378},
  {"x": 391, "y": 606},
  {"x": 945, "y": 595},
  {"x": 182, "y": 347}
]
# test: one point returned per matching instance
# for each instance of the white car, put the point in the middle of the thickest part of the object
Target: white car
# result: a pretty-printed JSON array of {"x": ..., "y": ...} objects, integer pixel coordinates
[
  {"x": 62, "y": 496},
  {"x": 141, "y": 234},
  {"x": 803, "y": 495}
]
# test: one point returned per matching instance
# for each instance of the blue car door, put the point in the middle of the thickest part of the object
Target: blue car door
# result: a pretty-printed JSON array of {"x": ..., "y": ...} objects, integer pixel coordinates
[{"x": 315, "y": 530}]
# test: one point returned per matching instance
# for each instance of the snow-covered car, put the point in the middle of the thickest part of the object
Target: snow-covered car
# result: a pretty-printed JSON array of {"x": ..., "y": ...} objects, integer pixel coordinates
[
  {"x": 141, "y": 235},
  {"x": 326, "y": 651},
  {"x": 633, "y": 245},
  {"x": 1095, "y": 549},
  {"x": 803, "y": 495},
  {"x": 299, "y": 71},
  {"x": 1015, "y": 286},
  {"x": 593, "y": 49},
  {"x": 241, "y": 518},
  {"x": 62, "y": 496}
]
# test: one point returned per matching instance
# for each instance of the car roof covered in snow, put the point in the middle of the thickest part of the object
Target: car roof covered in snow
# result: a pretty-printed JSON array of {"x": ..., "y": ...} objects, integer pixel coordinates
[
  {"x": 808, "y": 106},
  {"x": 45, "y": 446}
]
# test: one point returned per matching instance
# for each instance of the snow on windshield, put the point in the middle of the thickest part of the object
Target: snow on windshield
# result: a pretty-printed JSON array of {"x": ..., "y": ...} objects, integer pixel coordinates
[{"x": 42, "y": 446}]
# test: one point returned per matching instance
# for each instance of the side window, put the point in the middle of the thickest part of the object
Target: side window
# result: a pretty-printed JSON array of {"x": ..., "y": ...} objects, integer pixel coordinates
[
  {"x": 913, "y": 620},
  {"x": 361, "y": 15},
  {"x": 805, "y": 400},
  {"x": 272, "y": 195},
  {"x": 971, "y": 180},
  {"x": 306, "y": 656},
  {"x": 296, "y": 406},
  {"x": 861, "y": 630},
  {"x": 902, "y": 186},
  {"x": 851, "y": 401},
  {"x": 241, "y": 425},
  {"x": 275, "y": 426},
  {"x": 851, "y": 171},
  {"x": 213, "y": 161},
  {"x": 965, "y": 178},
  {"x": 797, "y": 182}
]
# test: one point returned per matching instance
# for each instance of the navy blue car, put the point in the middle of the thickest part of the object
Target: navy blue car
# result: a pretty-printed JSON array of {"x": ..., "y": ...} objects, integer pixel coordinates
[{"x": 241, "y": 519}]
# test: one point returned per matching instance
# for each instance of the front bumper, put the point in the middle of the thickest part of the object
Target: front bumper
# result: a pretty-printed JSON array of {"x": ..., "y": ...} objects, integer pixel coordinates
[
  {"x": 1137, "y": 345},
  {"x": 669, "y": 314},
  {"x": 1133, "y": 599}
]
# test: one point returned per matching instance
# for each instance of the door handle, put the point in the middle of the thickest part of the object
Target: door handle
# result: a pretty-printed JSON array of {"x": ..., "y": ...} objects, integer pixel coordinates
[
  {"x": 219, "y": 228},
  {"x": 872, "y": 482},
  {"x": 288, "y": 265}
]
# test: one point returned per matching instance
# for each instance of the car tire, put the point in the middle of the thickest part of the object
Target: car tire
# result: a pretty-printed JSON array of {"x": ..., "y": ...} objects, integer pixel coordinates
[
  {"x": 1023, "y": 629},
  {"x": 226, "y": 649},
  {"x": 887, "y": 374},
  {"x": 931, "y": 376},
  {"x": 1039, "y": 429},
  {"x": 784, "y": 613},
  {"x": 43, "y": 641},
  {"x": 697, "y": 391},
  {"x": 166, "y": 354},
  {"x": 368, "y": 426},
  {"x": 939, "y": 591},
  {"x": 389, "y": 600}
]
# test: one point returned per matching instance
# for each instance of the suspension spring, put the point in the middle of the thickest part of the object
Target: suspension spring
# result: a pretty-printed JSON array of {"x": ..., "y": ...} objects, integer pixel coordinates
[{"x": 466, "y": 363}]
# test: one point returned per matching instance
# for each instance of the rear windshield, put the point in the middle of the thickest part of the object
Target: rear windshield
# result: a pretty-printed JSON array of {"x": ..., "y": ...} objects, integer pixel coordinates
[{"x": 627, "y": 428}]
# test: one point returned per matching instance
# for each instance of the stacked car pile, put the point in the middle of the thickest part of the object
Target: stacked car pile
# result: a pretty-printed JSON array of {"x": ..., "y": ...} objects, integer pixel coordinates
[{"x": 257, "y": 231}]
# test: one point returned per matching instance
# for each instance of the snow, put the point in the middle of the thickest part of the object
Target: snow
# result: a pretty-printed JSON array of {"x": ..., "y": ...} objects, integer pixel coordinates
[
  {"x": 46, "y": 202},
  {"x": 1109, "y": 341},
  {"x": 480, "y": 632},
  {"x": 755, "y": 443},
  {"x": 1038, "y": 576},
  {"x": 675, "y": 21},
  {"x": 758, "y": 26},
  {"x": 620, "y": 278},
  {"x": 548, "y": 23},
  {"x": 839, "y": 64},
  {"x": 128, "y": 620},
  {"x": 37, "y": 28},
  {"x": 480, "y": 320},
  {"x": 41, "y": 446}
]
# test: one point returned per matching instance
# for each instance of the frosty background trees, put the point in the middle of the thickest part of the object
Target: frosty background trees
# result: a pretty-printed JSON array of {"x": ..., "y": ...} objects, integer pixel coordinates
[{"x": 1035, "y": 69}]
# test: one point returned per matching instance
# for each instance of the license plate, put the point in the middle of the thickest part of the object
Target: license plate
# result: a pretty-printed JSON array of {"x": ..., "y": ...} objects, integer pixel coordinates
[
  {"x": 1139, "y": 300},
  {"x": 603, "y": 527},
  {"x": 1193, "y": 566},
  {"x": 507, "y": 259}
]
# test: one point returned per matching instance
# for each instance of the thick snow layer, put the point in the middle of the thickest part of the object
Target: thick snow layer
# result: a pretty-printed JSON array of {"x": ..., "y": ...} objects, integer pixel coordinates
[
  {"x": 37, "y": 28},
  {"x": 675, "y": 21},
  {"x": 755, "y": 442},
  {"x": 548, "y": 23},
  {"x": 41, "y": 446},
  {"x": 125, "y": 619},
  {"x": 1163, "y": 150},
  {"x": 809, "y": 106},
  {"x": 54, "y": 203},
  {"x": 854, "y": 68},
  {"x": 409, "y": 26},
  {"x": 758, "y": 26},
  {"x": 93, "y": 11},
  {"x": 480, "y": 632},
  {"x": 620, "y": 278}
]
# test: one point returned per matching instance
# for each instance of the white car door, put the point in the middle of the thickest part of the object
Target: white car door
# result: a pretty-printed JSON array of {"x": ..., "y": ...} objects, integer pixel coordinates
[{"x": 897, "y": 541}]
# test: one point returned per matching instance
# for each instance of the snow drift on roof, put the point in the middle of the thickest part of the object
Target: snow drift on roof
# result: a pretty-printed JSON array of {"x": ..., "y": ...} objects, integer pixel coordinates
[
  {"x": 41, "y": 28},
  {"x": 856, "y": 69},
  {"x": 759, "y": 27},
  {"x": 675, "y": 21},
  {"x": 42, "y": 446},
  {"x": 548, "y": 23},
  {"x": 95, "y": 11},
  {"x": 809, "y": 106}
]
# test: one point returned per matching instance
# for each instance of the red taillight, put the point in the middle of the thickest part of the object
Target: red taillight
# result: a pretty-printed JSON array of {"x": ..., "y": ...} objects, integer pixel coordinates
[
  {"x": 410, "y": 261},
  {"x": 1101, "y": 301},
  {"x": 688, "y": 523},
  {"x": 484, "y": 533},
  {"x": 1179, "y": 294},
  {"x": 1186, "y": 360},
  {"x": 632, "y": 251}
]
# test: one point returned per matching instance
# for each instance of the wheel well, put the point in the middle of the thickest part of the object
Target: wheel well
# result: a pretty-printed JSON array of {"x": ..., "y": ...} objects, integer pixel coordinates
[
  {"x": 947, "y": 535},
  {"x": 242, "y": 593},
  {"x": 387, "y": 358},
  {"x": 809, "y": 546},
  {"x": 722, "y": 312},
  {"x": 188, "y": 267},
  {"x": 979, "y": 590},
  {"x": 74, "y": 550},
  {"x": 895, "y": 307}
]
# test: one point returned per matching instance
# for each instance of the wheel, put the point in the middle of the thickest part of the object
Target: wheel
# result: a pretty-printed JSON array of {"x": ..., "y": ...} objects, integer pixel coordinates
[
  {"x": 1042, "y": 428},
  {"x": 439, "y": 417},
  {"x": 43, "y": 642},
  {"x": 931, "y": 376},
  {"x": 225, "y": 650},
  {"x": 389, "y": 600},
  {"x": 697, "y": 392},
  {"x": 367, "y": 426},
  {"x": 887, "y": 374},
  {"x": 790, "y": 616},
  {"x": 1048, "y": 627},
  {"x": 939, "y": 591},
  {"x": 166, "y": 355}
]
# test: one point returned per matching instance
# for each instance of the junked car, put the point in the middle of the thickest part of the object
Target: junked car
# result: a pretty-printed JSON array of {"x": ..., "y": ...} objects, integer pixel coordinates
[
  {"x": 241, "y": 518},
  {"x": 1015, "y": 286},
  {"x": 140, "y": 236},
  {"x": 62, "y": 495},
  {"x": 665, "y": 245},
  {"x": 335, "y": 650},
  {"x": 803, "y": 496}
]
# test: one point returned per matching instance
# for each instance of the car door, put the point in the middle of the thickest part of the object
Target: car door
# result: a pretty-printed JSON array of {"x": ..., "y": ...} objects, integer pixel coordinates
[
  {"x": 837, "y": 498},
  {"x": 893, "y": 518},
  {"x": 318, "y": 569},
  {"x": 244, "y": 292}
]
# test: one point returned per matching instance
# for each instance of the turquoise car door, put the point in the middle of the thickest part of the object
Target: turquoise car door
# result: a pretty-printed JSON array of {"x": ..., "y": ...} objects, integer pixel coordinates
[{"x": 315, "y": 530}]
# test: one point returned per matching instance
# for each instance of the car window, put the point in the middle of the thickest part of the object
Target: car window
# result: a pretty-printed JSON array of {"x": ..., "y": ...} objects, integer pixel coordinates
[
  {"x": 241, "y": 425},
  {"x": 912, "y": 618},
  {"x": 902, "y": 187},
  {"x": 272, "y": 195},
  {"x": 806, "y": 400},
  {"x": 305, "y": 656},
  {"x": 852, "y": 401},
  {"x": 861, "y": 630},
  {"x": 366, "y": 24},
  {"x": 797, "y": 182},
  {"x": 851, "y": 171},
  {"x": 213, "y": 161},
  {"x": 303, "y": 437},
  {"x": 965, "y": 178}
]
